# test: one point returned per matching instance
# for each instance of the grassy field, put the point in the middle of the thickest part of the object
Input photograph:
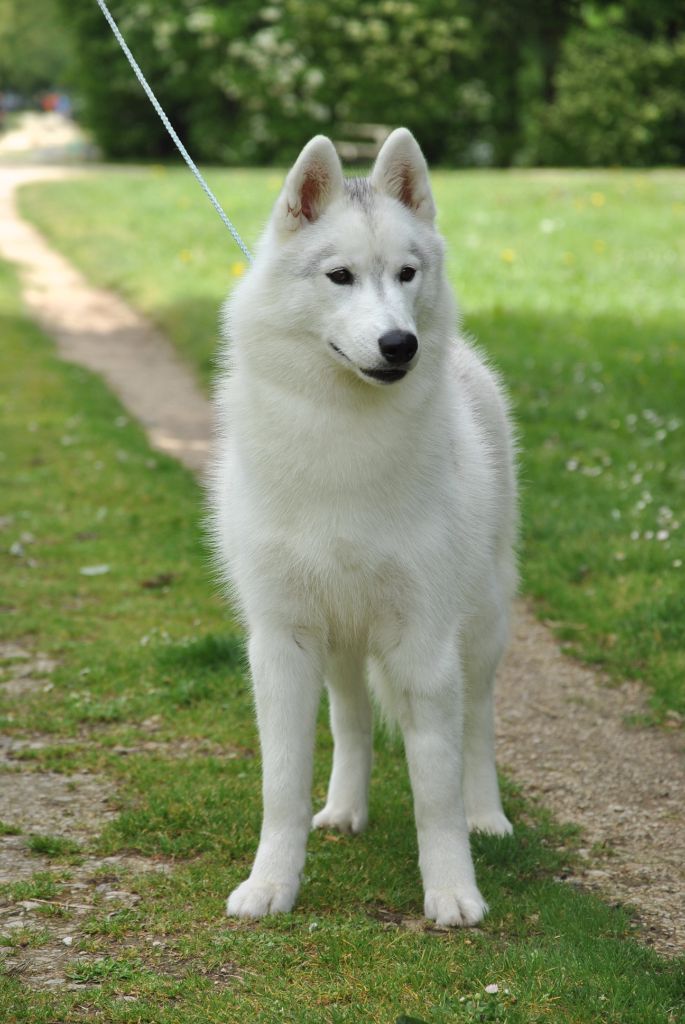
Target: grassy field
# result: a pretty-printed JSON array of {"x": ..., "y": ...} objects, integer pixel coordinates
[
  {"x": 572, "y": 282},
  {"x": 146, "y": 640}
]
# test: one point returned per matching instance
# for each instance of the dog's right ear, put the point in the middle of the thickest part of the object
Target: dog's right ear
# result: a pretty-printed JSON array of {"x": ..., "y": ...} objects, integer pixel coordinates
[{"x": 315, "y": 179}]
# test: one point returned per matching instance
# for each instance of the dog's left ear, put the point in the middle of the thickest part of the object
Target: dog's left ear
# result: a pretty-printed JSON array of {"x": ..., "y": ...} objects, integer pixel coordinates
[
  {"x": 401, "y": 172},
  {"x": 314, "y": 181}
]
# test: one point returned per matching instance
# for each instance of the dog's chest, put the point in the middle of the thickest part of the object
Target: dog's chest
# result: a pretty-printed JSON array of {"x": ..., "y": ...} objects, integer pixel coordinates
[
  {"x": 347, "y": 558},
  {"x": 356, "y": 586}
]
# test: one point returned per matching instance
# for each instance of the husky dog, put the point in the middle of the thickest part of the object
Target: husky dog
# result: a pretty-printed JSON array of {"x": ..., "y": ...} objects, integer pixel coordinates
[{"x": 364, "y": 512}]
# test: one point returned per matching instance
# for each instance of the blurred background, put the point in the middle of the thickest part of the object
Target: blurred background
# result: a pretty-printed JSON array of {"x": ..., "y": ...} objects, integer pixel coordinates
[{"x": 507, "y": 83}]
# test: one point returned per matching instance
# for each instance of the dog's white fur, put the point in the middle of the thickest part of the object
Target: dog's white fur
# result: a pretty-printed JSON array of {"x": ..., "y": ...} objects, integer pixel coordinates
[{"x": 362, "y": 523}]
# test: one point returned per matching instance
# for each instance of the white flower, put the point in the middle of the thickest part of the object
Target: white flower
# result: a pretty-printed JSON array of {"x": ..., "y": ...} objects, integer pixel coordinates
[{"x": 491, "y": 989}]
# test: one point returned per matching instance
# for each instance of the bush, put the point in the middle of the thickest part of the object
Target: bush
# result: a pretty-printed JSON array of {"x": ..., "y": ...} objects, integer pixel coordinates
[
  {"x": 181, "y": 47},
  {"x": 315, "y": 67},
  {"x": 249, "y": 82},
  {"x": 620, "y": 100},
  {"x": 35, "y": 49}
]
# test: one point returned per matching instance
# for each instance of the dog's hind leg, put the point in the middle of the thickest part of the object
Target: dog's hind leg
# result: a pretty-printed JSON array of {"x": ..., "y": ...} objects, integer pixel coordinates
[
  {"x": 483, "y": 646},
  {"x": 287, "y": 672},
  {"x": 351, "y": 723}
]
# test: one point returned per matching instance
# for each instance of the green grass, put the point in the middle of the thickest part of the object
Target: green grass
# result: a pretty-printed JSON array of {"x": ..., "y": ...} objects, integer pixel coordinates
[
  {"x": 135, "y": 663},
  {"x": 53, "y": 846},
  {"x": 9, "y": 830},
  {"x": 41, "y": 886},
  {"x": 571, "y": 282}
]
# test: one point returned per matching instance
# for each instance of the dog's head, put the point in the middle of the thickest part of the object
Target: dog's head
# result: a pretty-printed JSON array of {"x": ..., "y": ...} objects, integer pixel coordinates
[{"x": 354, "y": 266}]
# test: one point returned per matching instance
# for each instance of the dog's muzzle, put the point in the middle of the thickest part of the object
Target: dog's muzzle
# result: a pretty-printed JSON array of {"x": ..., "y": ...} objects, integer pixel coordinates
[{"x": 398, "y": 348}]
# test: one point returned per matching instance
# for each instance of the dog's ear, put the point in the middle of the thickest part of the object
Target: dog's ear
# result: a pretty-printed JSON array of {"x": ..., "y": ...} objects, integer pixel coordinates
[
  {"x": 315, "y": 179},
  {"x": 401, "y": 172}
]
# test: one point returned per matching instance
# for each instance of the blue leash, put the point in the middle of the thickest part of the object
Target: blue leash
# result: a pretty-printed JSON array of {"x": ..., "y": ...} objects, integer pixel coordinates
[{"x": 167, "y": 124}]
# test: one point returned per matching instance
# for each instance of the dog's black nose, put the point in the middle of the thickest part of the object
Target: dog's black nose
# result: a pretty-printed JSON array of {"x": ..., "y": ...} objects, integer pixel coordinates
[{"x": 398, "y": 346}]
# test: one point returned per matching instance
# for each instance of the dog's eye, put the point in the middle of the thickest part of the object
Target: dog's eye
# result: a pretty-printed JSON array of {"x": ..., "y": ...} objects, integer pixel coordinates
[
  {"x": 341, "y": 276},
  {"x": 407, "y": 274}
]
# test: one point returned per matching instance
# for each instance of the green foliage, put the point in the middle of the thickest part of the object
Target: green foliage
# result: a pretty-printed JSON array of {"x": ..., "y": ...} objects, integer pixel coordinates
[
  {"x": 620, "y": 100},
  {"x": 181, "y": 47},
  {"x": 249, "y": 82},
  {"x": 35, "y": 46},
  {"x": 309, "y": 66}
]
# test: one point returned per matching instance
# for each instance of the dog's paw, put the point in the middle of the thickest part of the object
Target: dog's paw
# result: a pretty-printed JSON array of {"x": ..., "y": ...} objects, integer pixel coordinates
[
  {"x": 493, "y": 824},
  {"x": 350, "y": 820},
  {"x": 256, "y": 899},
  {"x": 455, "y": 907}
]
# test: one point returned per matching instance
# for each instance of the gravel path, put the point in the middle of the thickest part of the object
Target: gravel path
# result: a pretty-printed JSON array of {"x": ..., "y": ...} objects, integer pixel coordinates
[{"x": 561, "y": 727}]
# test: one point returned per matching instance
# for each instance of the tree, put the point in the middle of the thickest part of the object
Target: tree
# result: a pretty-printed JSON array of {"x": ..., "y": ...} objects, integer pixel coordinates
[{"x": 35, "y": 47}]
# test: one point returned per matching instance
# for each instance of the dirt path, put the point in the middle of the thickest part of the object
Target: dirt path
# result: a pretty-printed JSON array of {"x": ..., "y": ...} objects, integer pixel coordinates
[
  {"x": 97, "y": 329},
  {"x": 561, "y": 728}
]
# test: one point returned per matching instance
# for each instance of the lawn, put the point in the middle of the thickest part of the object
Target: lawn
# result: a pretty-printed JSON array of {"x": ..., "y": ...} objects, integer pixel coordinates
[
  {"x": 572, "y": 282},
  {"x": 145, "y": 639}
]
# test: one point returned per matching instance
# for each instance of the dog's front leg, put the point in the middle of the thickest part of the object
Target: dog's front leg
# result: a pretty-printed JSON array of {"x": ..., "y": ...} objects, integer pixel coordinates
[
  {"x": 287, "y": 677},
  {"x": 432, "y": 723}
]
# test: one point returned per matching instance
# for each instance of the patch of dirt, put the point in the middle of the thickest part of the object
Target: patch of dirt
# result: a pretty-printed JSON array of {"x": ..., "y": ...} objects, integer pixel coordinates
[
  {"x": 23, "y": 673},
  {"x": 74, "y": 807},
  {"x": 405, "y": 922},
  {"x": 40, "y": 938},
  {"x": 561, "y": 727},
  {"x": 18, "y": 750},
  {"x": 186, "y": 748},
  {"x": 562, "y": 734}
]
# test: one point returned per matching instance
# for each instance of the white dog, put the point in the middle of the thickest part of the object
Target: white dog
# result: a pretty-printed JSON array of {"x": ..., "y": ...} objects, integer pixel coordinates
[{"x": 365, "y": 515}]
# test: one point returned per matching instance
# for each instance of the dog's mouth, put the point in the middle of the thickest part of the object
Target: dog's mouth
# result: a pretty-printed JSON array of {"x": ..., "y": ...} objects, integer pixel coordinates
[
  {"x": 386, "y": 376},
  {"x": 381, "y": 376}
]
